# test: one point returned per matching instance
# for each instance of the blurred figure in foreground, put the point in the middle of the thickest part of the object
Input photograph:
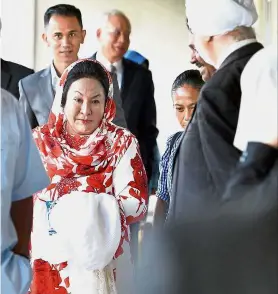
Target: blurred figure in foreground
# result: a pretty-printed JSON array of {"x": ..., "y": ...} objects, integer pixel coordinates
[
  {"x": 232, "y": 248},
  {"x": 22, "y": 174}
]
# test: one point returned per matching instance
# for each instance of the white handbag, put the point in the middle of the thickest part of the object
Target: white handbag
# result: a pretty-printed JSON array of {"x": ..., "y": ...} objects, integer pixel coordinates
[
  {"x": 87, "y": 234},
  {"x": 90, "y": 227}
]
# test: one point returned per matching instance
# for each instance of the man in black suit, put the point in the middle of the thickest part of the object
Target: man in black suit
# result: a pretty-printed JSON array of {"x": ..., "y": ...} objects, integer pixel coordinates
[
  {"x": 137, "y": 91},
  {"x": 207, "y": 156},
  {"x": 135, "y": 82},
  {"x": 11, "y": 74}
]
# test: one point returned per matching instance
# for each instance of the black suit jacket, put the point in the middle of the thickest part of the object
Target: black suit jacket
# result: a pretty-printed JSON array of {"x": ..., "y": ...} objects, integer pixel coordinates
[
  {"x": 11, "y": 74},
  {"x": 137, "y": 93},
  {"x": 206, "y": 156},
  {"x": 140, "y": 110},
  {"x": 232, "y": 249}
]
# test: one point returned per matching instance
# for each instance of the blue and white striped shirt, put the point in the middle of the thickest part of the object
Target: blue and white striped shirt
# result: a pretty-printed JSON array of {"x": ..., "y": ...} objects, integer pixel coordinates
[{"x": 166, "y": 167}]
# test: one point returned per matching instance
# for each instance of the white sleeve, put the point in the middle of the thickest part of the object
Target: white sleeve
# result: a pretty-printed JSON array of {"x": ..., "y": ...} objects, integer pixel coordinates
[
  {"x": 258, "y": 113},
  {"x": 130, "y": 184}
]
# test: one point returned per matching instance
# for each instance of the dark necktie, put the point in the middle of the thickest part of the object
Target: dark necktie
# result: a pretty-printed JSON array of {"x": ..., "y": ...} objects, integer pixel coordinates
[
  {"x": 113, "y": 70},
  {"x": 114, "y": 73}
]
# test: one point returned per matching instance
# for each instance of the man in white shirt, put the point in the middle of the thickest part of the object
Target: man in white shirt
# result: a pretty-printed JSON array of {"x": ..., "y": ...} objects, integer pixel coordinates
[
  {"x": 137, "y": 89},
  {"x": 135, "y": 81},
  {"x": 22, "y": 174},
  {"x": 114, "y": 67}
]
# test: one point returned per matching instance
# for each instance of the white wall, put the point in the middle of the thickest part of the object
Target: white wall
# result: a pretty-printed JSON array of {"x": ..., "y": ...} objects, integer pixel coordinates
[
  {"x": 18, "y": 31},
  {"x": 158, "y": 32},
  {"x": 267, "y": 25}
]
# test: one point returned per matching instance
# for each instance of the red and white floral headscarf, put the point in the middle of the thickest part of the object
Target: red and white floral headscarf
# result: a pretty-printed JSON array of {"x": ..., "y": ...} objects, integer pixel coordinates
[{"x": 64, "y": 154}]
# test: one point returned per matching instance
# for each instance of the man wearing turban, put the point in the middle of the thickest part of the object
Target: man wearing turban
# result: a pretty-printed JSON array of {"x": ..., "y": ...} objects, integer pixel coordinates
[{"x": 224, "y": 37}]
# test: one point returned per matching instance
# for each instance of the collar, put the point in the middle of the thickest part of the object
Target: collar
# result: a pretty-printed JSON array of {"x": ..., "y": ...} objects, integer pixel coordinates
[
  {"x": 232, "y": 48},
  {"x": 54, "y": 77},
  {"x": 105, "y": 62}
]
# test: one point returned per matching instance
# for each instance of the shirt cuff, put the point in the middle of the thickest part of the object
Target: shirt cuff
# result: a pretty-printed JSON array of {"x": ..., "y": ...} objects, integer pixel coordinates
[
  {"x": 260, "y": 156},
  {"x": 163, "y": 197}
]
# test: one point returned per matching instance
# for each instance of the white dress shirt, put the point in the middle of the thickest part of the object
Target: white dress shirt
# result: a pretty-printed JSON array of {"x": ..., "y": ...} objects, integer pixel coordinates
[
  {"x": 54, "y": 78},
  {"x": 118, "y": 65}
]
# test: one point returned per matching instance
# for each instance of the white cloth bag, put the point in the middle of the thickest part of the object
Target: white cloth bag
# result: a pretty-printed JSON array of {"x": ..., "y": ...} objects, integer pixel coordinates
[{"x": 88, "y": 232}]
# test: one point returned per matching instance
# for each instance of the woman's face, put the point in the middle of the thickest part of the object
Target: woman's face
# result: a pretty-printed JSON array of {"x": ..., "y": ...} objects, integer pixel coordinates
[
  {"x": 84, "y": 107},
  {"x": 184, "y": 100}
]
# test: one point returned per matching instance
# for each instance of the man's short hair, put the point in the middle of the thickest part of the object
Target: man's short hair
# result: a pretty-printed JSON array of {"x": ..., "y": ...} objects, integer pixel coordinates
[
  {"x": 62, "y": 10},
  {"x": 242, "y": 33},
  {"x": 114, "y": 12},
  {"x": 187, "y": 25}
]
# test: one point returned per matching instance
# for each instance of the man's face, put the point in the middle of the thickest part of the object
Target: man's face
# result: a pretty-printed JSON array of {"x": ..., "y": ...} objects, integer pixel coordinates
[
  {"x": 206, "y": 69},
  {"x": 114, "y": 38},
  {"x": 64, "y": 36}
]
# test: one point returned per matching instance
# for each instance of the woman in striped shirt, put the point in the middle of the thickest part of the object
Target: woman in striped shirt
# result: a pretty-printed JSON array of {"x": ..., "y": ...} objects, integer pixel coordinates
[{"x": 185, "y": 93}]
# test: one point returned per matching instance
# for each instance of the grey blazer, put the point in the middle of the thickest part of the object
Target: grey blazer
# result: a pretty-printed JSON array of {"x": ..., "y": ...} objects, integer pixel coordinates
[{"x": 36, "y": 97}]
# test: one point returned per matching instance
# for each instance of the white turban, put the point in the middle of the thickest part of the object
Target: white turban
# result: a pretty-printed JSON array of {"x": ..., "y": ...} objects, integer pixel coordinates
[
  {"x": 258, "y": 116},
  {"x": 217, "y": 17}
]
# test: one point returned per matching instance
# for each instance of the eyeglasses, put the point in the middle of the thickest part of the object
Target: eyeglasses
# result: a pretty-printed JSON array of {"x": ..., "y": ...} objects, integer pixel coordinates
[
  {"x": 192, "y": 47},
  {"x": 115, "y": 33}
]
